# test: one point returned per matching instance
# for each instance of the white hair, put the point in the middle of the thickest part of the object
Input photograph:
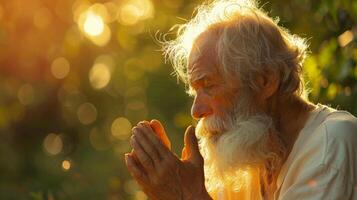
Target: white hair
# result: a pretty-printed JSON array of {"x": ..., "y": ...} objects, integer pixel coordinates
[{"x": 250, "y": 43}]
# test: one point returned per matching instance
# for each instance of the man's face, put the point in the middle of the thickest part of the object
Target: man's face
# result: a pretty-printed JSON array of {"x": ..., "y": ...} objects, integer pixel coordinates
[
  {"x": 233, "y": 134},
  {"x": 214, "y": 96}
]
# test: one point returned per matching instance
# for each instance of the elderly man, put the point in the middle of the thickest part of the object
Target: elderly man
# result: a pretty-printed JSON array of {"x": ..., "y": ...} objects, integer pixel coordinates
[{"x": 259, "y": 137}]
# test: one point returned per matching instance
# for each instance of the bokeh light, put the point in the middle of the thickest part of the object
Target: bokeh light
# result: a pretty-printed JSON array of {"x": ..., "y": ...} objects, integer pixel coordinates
[
  {"x": 92, "y": 21},
  {"x": 121, "y": 128},
  {"x": 53, "y": 144},
  {"x": 93, "y": 24},
  {"x": 99, "y": 75},
  {"x": 99, "y": 140},
  {"x": 345, "y": 38},
  {"x": 60, "y": 68},
  {"x": 26, "y": 94},
  {"x": 129, "y": 14},
  {"x": 134, "y": 10},
  {"x": 66, "y": 165},
  {"x": 87, "y": 113}
]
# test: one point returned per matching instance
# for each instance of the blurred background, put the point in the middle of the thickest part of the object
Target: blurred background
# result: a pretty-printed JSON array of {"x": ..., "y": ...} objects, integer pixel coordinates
[{"x": 75, "y": 76}]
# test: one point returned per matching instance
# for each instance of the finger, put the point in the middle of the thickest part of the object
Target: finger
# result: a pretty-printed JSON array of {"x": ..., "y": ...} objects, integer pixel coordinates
[
  {"x": 147, "y": 146},
  {"x": 143, "y": 158},
  {"x": 184, "y": 154},
  {"x": 134, "y": 169},
  {"x": 136, "y": 159},
  {"x": 191, "y": 144},
  {"x": 153, "y": 138},
  {"x": 160, "y": 131}
]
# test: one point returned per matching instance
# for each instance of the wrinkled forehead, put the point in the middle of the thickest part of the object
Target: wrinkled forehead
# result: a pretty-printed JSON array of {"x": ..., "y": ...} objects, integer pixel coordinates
[{"x": 203, "y": 58}]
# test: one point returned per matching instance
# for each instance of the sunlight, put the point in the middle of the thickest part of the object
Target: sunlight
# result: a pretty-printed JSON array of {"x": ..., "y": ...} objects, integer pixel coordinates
[
  {"x": 93, "y": 24},
  {"x": 129, "y": 14},
  {"x": 92, "y": 21},
  {"x": 135, "y": 10}
]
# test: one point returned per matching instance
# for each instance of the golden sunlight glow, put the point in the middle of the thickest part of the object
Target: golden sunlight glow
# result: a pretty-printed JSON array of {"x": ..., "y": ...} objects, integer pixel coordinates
[
  {"x": 121, "y": 128},
  {"x": 107, "y": 60},
  {"x": 42, "y": 18},
  {"x": 99, "y": 75},
  {"x": 92, "y": 21},
  {"x": 135, "y": 10},
  {"x": 60, "y": 68},
  {"x": 112, "y": 10},
  {"x": 129, "y": 14},
  {"x": 245, "y": 184},
  {"x": 66, "y": 165},
  {"x": 53, "y": 144},
  {"x": 87, "y": 113},
  {"x": 1, "y": 11},
  {"x": 190, "y": 34},
  {"x": 345, "y": 38},
  {"x": 93, "y": 24}
]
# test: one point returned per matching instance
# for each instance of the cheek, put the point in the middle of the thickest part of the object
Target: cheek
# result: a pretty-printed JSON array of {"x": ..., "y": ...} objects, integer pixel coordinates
[{"x": 223, "y": 102}]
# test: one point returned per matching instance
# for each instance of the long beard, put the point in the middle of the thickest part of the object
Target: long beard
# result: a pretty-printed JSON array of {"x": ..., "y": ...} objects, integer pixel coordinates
[{"x": 236, "y": 143}]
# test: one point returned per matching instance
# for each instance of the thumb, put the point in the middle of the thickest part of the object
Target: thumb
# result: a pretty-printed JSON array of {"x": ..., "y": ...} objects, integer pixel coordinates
[
  {"x": 191, "y": 146},
  {"x": 184, "y": 154}
]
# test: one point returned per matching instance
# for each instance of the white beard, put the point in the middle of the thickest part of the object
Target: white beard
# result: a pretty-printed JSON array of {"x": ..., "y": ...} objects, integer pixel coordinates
[{"x": 232, "y": 145}]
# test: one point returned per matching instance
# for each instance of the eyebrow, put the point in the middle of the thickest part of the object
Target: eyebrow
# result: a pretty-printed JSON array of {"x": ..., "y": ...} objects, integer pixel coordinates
[{"x": 196, "y": 78}]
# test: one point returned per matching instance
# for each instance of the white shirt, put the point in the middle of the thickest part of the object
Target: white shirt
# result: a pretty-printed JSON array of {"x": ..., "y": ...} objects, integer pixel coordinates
[{"x": 323, "y": 161}]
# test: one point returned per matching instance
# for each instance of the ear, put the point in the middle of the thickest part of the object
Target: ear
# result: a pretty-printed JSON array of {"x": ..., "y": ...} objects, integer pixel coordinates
[{"x": 268, "y": 83}]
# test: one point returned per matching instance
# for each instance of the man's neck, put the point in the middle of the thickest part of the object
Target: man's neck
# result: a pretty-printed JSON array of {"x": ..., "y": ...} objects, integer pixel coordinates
[{"x": 291, "y": 114}]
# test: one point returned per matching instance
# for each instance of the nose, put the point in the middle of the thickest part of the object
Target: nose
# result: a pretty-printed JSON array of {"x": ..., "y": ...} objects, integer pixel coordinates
[{"x": 200, "y": 107}]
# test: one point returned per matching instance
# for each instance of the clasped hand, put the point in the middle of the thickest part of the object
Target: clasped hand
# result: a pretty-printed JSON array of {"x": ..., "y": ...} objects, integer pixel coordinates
[{"x": 160, "y": 173}]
